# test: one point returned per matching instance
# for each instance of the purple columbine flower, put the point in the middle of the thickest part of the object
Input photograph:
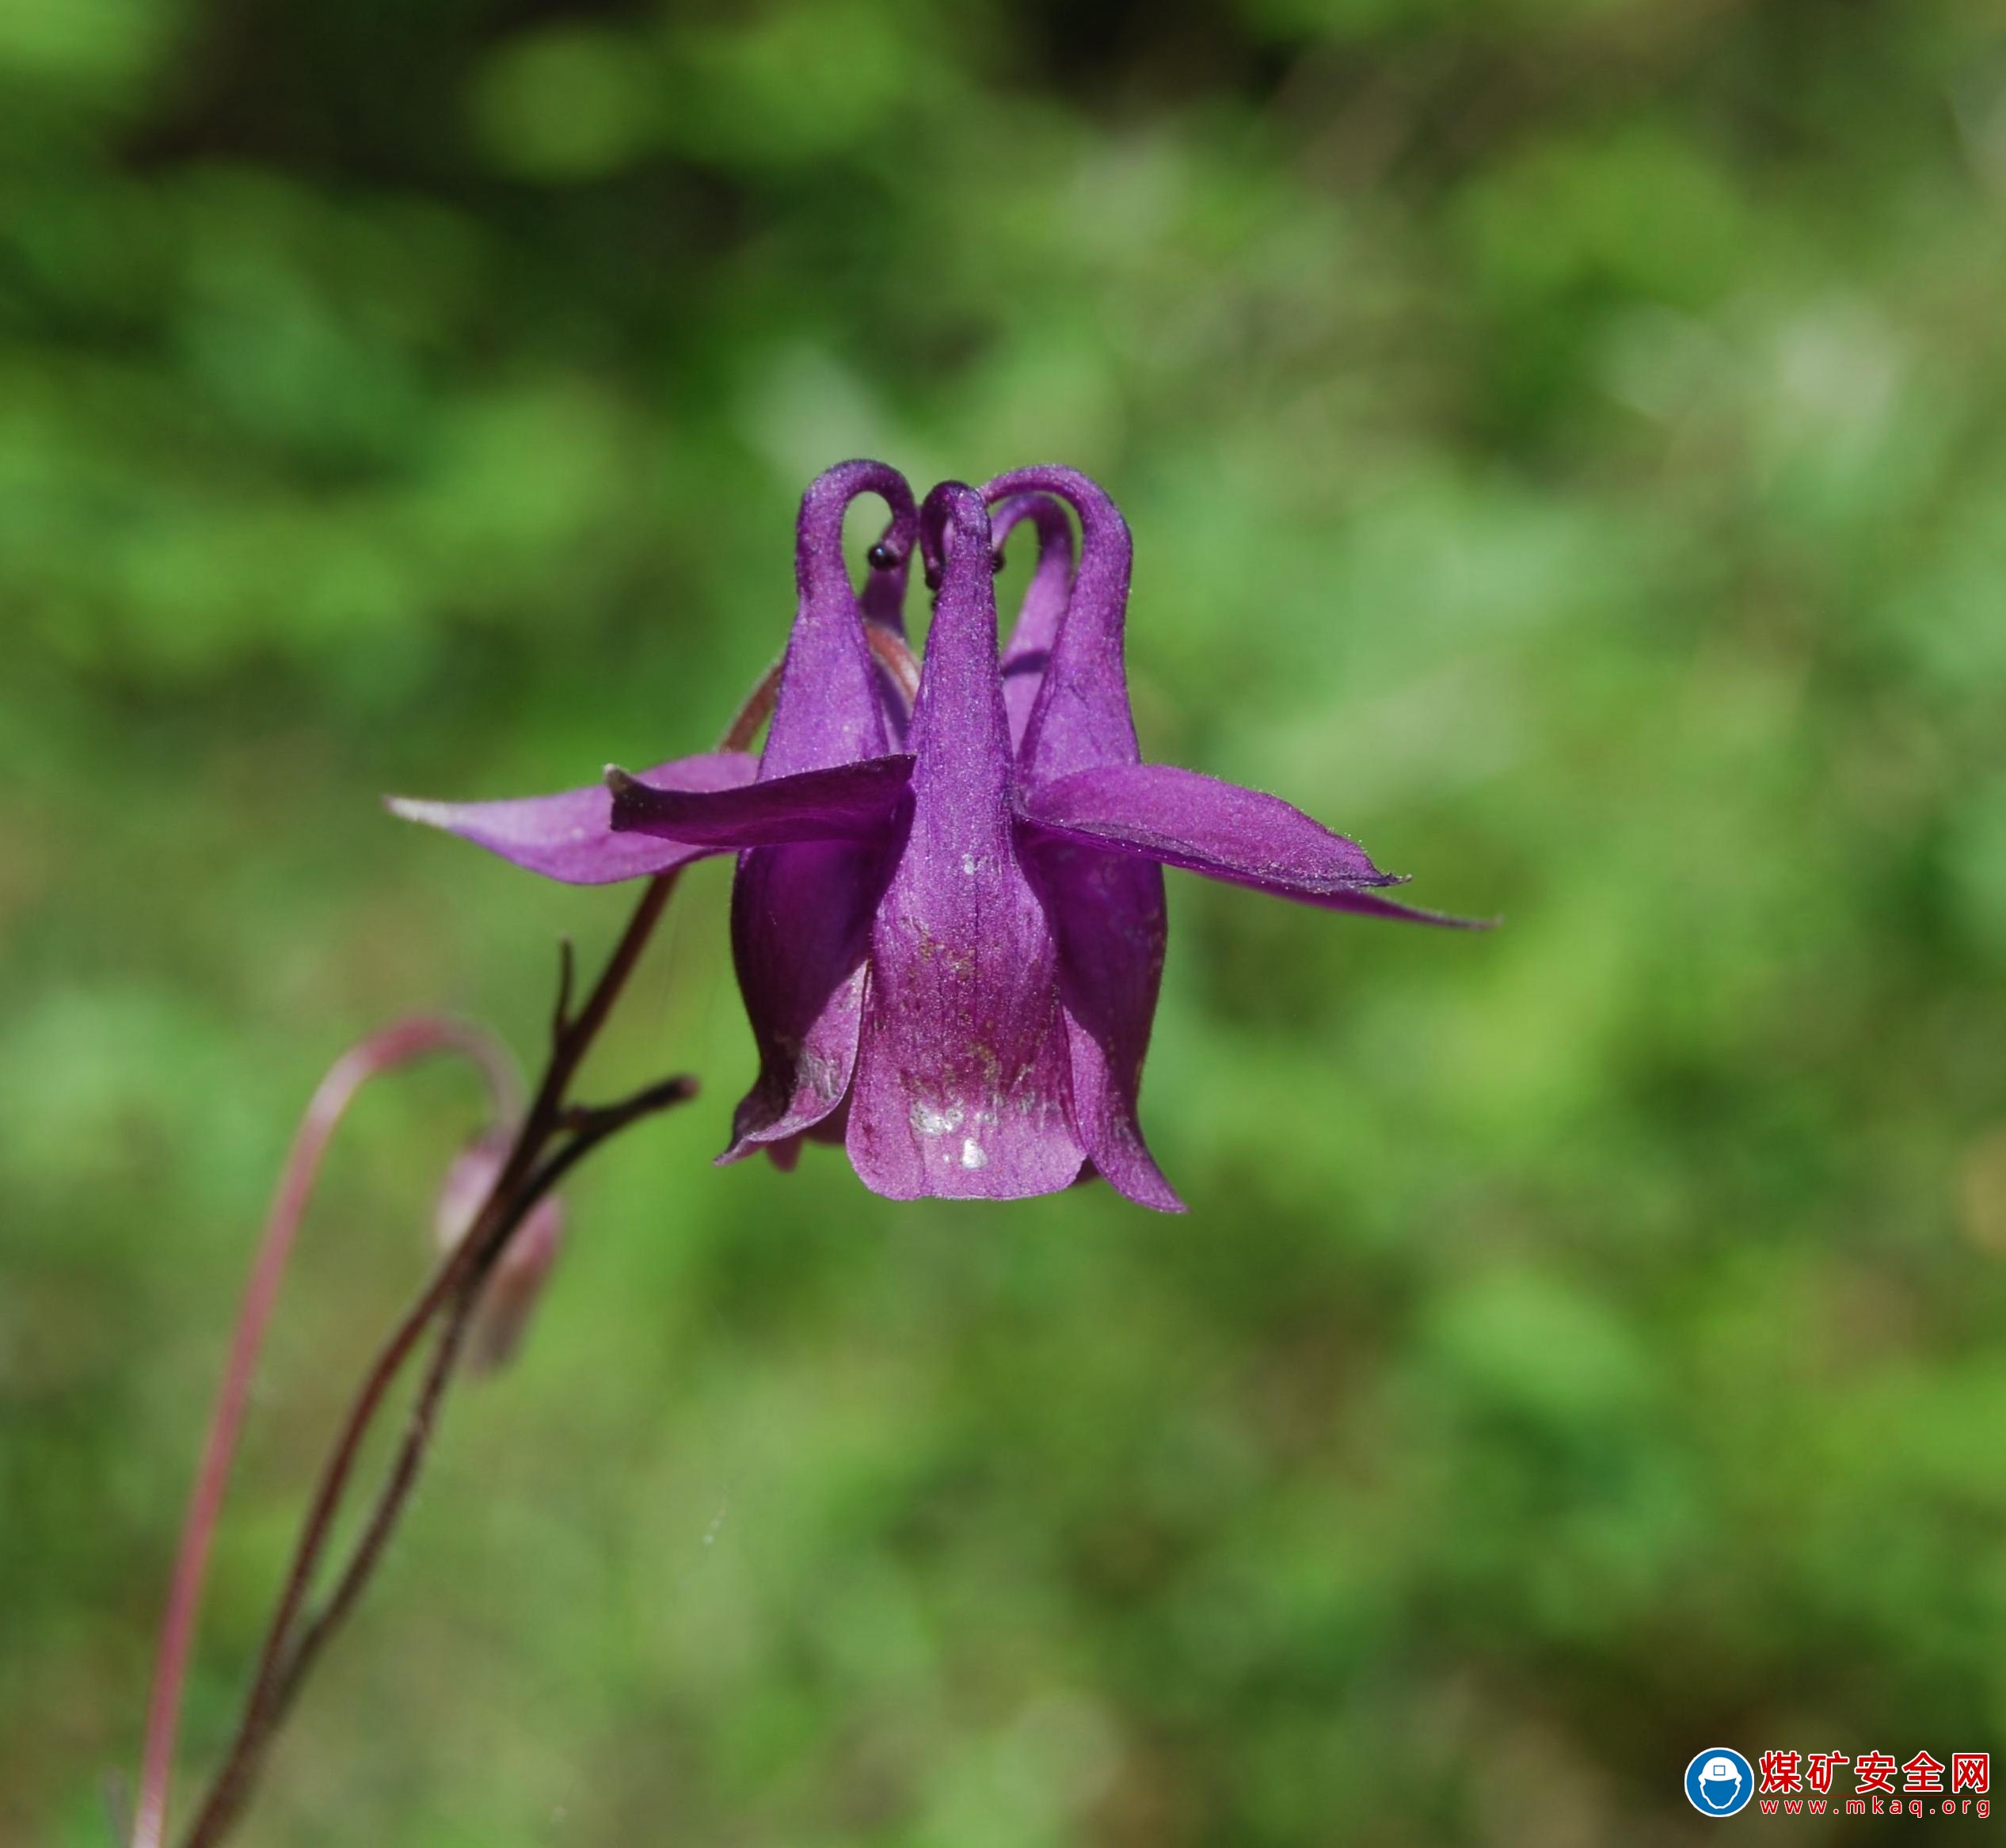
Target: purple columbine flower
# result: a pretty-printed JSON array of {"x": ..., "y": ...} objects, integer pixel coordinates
[{"x": 950, "y": 953}]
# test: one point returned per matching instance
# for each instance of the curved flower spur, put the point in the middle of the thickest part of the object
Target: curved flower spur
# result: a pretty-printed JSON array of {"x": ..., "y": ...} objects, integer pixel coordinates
[{"x": 950, "y": 953}]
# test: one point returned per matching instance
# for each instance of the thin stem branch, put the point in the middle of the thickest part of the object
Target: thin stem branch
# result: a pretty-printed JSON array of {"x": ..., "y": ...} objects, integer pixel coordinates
[
  {"x": 381, "y": 1052},
  {"x": 390, "y": 1502},
  {"x": 589, "y": 1127},
  {"x": 293, "y": 1644},
  {"x": 456, "y": 1279}
]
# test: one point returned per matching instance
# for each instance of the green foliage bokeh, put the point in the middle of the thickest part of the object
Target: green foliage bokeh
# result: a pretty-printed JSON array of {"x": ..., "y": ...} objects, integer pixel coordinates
[{"x": 1565, "y": 444}]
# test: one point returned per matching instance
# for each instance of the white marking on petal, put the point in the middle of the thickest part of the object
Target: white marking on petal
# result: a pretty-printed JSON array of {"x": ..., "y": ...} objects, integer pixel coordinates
[{"x": 972, "y": 1155}]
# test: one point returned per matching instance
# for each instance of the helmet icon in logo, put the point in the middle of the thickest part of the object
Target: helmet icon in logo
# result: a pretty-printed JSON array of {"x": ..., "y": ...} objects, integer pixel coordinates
[{"x": 1719, "y": 1781}]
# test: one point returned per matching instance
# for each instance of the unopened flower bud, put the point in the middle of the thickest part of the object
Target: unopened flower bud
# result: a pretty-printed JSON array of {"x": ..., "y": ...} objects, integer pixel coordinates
[{"x": 509, "y": 1295}]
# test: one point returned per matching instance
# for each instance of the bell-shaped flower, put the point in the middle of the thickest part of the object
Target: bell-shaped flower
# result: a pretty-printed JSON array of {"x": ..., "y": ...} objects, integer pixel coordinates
[
  {"x": 950, "y": 951},
  {"x": 1015, "y": 955}
]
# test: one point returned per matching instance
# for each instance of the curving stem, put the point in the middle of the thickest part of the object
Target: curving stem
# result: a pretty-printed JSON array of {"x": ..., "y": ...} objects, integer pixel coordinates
[
  {"x": 554, "y": 1135},
  {"x": 381, "y": 1052}
]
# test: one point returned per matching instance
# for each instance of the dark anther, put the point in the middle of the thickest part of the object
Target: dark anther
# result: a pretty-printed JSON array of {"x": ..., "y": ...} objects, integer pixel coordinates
[
  {"x": 933, "y": 577},
  {"x": 881, "y": 558},
  {"x": 996, "y": 560}
]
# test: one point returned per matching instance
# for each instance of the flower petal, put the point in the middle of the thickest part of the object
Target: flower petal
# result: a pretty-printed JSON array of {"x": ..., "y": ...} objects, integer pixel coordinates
[
  {"x": 964, "y": 1075},
  {"x": 800, "y": 914},
  {"x": 1182, "y": 819},
  {"x": 801, "y": 921},
  {"x": 852, "y": 803},
  {"x": 568, "y": 837},
  {"x": 1028, "y": 653},
  {"x": 1108, "y": 909}
]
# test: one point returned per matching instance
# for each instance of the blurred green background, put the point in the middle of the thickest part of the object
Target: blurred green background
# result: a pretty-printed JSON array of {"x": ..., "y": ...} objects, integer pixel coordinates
[{"x": 1565, "y": 441}]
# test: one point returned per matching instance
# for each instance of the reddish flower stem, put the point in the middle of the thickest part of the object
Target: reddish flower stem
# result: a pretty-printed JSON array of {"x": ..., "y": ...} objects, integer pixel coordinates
[
  {"x": 381, "y": 1052},
  {"x": 593, "y": 1128},
  {"x": 293, "y": 1642},
  {"x": 453, "y": 1289}
]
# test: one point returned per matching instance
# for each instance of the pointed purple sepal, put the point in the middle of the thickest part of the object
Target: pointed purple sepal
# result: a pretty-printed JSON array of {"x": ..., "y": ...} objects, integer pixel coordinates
[
  {"x": 570, "y": 837},
  {"x": 1373, "y": 904},
  {"x": 850, "y": 802},
  {"x": 1180, "y": 818}
]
